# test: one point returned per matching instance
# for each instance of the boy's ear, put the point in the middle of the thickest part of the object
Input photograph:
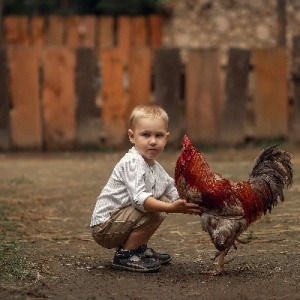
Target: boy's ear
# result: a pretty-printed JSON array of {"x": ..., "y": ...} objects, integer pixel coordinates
[
  {"x": 168, "y": 135},
  {"x": 131, "y": 135}
]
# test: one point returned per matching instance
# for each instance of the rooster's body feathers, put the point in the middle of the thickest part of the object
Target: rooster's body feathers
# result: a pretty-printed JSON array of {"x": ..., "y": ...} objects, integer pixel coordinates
[{"x": 229, "y": 207}]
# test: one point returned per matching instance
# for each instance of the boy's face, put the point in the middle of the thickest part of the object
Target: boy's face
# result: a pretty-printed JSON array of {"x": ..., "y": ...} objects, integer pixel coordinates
[{"x": 149, "y": 137}]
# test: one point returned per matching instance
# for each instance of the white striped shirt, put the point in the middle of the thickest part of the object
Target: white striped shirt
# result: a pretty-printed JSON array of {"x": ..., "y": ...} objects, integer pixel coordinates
[{"x": 131, "y": 183}]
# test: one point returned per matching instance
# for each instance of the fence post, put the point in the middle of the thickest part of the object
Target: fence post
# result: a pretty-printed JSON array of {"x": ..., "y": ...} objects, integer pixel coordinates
[
  {"x": 155, "y": 28},
  {"x": 167, "y": 74},
  {"x": 55, "y": 31},
  {"x": 270, "y": 93},
  {"x": 203, "y": 96},
  {"x": 80, "y": 31},
  {"x": 4, "y": 102},
  {"x": 139, "y": 73},
  {"x": 139, "y": 31},
  {"x": 37, "y": 32},
  {"x": 87, "y": 114},
  {"x": 112, "y": 95},
  {"x": 105, "y": 33},
  {"x": 124, "y": 37},
  {"x": 232, "y": 129},
  {"x": 16, "y": 30},
  {"x": 59, "y": 98},
  {"x": 296, "y": 83},
  {"x": 25, "y": 115}
]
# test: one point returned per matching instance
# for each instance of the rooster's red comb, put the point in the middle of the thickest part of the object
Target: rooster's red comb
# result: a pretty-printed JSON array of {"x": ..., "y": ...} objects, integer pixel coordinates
[{"x": 186, "y": 143}]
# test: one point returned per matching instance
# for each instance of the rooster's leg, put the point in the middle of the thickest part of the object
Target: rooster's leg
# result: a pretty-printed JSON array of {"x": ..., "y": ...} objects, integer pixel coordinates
[
  {"x": 220, "y": 270},
  {"x": 216, "y": 255}
]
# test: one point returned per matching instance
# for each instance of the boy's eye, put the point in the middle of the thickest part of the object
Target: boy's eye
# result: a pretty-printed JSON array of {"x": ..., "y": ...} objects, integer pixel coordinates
[
  {"x": 159, "y": 135},
  {"x": 145, "y": 134}
]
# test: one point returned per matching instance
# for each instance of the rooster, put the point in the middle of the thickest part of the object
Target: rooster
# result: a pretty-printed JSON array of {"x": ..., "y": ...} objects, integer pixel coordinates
[{"x": 229, "y": 207}]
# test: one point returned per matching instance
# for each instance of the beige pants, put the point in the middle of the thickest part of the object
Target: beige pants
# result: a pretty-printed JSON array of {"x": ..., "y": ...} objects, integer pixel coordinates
[{"x": 116, "y": 230}]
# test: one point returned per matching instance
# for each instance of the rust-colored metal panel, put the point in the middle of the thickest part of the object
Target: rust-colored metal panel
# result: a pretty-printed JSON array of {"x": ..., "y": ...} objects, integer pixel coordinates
[
  {"x": 124, "y": 37},
  {"x": 203, "y": 96},
  {"x": 80, "y": 31},
  {"x": 112, "y": 95},
  {"x": 232, "y": 129},
  {"x": 16, "y": 30},
  {"x": 55, "y": 31},
  {"x": 139, "y": 72},
  {"x": 270, "y": 99},
  {"x": 167, "y": 74},
  {"x": 37, "y": 32},
  {"x": 139, "y": 31},
  {"x": 25, "y": 115},
  {"x": 105, "y": 32},
  {"x": 59, "y": 98},
  {"x": 5, "y": 142}
]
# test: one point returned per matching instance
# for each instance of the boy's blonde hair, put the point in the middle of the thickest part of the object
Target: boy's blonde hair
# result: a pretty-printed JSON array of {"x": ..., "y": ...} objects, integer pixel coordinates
[{"x": 151, "y": 110}]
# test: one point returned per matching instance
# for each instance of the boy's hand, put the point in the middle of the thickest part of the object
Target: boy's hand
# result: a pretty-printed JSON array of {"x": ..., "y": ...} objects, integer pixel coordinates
[{"x": 182, "y": 206}]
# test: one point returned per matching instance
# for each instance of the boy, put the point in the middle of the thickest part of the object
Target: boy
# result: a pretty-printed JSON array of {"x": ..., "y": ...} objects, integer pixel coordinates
[{"x": 138, "y": 196}]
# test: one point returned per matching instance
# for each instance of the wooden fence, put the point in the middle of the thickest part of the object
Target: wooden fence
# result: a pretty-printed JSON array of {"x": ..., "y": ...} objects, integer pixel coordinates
[{"x": 79, "y": 95}]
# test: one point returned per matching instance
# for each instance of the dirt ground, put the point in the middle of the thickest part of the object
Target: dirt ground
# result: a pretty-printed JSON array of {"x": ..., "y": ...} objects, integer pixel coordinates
[{"x": 52, "y": 195}]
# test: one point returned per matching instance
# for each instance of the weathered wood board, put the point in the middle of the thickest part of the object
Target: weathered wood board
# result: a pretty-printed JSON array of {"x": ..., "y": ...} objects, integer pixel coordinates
[
  {"x": 270, "y": 98},
  {"x": 232, "y": 129},
  {"x": 5, "y": 142},
  {"x": 87, "y": 112},
  {"x": 203, "y": 96},
  {"x": 25, "y": 117},
  {"x": 112, "y": 96},
  {"x": 59, "y": 107},
  {"x": 167, "y": 74}
]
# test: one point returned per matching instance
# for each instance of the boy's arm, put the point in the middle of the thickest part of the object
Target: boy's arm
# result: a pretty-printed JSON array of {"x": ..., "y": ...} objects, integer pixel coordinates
[{"x": 178, "y": 206}]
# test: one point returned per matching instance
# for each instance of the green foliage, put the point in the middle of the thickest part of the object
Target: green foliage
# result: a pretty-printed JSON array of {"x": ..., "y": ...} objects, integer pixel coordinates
[
  {"x": 12, "y": 264},
  {"x": 91, "y": 7}
]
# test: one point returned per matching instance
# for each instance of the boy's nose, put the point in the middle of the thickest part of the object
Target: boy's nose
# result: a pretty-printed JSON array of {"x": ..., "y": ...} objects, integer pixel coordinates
[{"x": 152, "y": 140}]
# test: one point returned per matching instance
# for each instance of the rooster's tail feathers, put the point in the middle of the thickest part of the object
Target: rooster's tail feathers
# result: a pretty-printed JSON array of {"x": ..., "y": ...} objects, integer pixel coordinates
[{"x": 274, "y": 167}]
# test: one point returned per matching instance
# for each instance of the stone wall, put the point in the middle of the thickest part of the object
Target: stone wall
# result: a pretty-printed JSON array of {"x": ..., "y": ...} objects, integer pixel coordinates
[{"x": 228, "y": 23}]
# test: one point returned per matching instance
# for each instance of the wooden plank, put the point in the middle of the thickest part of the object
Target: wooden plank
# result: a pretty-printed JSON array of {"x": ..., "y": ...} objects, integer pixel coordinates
[
  {"x": 295, "y": 135},
  {"x": 4, "y": 102},
  {"x": 55, "y": 31},
  {"x": 281, "y": 22},
  {"x": 139, "y": 71},
  {"x": 156, "y": 24},
  {"x": 16, "y": 30},
  {"x": 203, "y": 96},
  {"x": 167, "y": 73},
  {"x": 139, "y": 31},
  {"x": 25, "y": 114},
  {"x": 105, "y": 32},
  {"x": 80, "y": 31},
  {"x": 270, "y": 92},
  {"x": 123, "y": 37},
  {"x": 232, "y": 130},
  {"x": 59, "y": 98},
  {"x": 112, "y": 95},
  {"x": 37, "y": 32},
  {"x": 75, "y": 32},
  {"x": 89, "y": 39},
  {"x": 87, "y": 113}
]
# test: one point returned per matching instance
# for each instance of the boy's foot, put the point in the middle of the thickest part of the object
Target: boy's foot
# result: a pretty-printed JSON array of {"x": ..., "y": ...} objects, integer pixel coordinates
[
  {"x": 163, "y": 258},
  {"x": 132, "y": 260}
]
